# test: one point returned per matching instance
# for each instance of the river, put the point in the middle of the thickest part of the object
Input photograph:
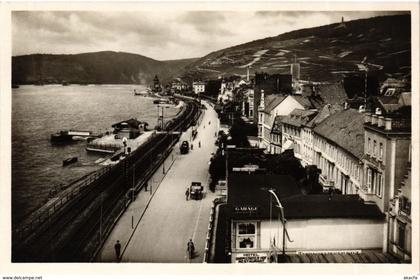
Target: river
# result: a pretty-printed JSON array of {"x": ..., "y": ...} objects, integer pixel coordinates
[{"x": 39, "y": 111}]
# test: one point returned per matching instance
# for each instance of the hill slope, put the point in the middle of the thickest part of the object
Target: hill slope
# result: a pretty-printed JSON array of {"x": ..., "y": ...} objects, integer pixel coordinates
[
  {"x": 100, "y": 67},
  {"x": 325, "y": 53}
]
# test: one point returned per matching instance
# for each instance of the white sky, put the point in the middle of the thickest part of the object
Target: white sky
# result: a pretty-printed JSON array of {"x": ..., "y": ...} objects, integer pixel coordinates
[{"x": 161, "y": 35}]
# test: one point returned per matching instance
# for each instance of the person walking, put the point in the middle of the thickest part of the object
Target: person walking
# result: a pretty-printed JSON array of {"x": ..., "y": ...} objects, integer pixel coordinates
[
  {"x": 199, "y": 144},
  {"x": 190, "y": 249},
  {"x": 187, "y": 194},
  {"x": 192, "y": 146},
  {"x": 117, "y": 248}
]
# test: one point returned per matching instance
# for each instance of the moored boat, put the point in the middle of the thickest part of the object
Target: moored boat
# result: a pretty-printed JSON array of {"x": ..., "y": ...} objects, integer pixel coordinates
[{"x": 68, "y": 161}]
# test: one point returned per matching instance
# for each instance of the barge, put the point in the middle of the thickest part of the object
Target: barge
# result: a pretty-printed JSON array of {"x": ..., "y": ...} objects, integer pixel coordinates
[{"x": 66, "y": 136}]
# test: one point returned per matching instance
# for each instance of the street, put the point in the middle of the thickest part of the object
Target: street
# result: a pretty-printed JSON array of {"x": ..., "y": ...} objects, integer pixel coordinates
[{"x": 157, "y": 227}]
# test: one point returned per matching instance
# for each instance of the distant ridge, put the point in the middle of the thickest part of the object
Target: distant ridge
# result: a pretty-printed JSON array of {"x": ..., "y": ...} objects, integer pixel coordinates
[{"x": 105, "y": 67}]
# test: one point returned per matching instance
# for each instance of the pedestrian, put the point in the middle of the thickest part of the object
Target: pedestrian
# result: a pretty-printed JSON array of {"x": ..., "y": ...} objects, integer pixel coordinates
[
  {"x": 145, "y": 187},
  {"x": 199, "y": 144},
  {"x": 118, "y": 250},
  {"x": 191, "y": 146},
  {"x": 187, "y": 194}
]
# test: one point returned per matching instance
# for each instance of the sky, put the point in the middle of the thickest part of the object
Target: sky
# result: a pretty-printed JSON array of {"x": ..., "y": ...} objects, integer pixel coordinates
[{"x": 161, "y": 35}]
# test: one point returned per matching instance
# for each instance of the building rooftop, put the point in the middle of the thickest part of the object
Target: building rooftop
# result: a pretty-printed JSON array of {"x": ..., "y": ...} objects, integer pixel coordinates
[
  {"x": 324, "y": 113},
  {"x": 345, "y": 128},
  {"x": 272, "y": 101},
  {"x": 251, "y": 189},
  {"x": 248, "y": 198},
  {"x": 299, "y": 117}
]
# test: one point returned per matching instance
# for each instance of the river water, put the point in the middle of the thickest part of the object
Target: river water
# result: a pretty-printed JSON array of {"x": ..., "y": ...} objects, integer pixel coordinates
[{"x": 39, "y": 111}]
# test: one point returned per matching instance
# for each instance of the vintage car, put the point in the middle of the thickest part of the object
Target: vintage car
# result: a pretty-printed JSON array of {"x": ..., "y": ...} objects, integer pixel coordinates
[
  {"x": 184, "y": 148},
  {"x": 196, "y": 190}
]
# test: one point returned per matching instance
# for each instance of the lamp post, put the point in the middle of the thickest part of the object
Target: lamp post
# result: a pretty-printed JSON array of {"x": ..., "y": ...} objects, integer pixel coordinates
[{"x": 283, "y": 220}]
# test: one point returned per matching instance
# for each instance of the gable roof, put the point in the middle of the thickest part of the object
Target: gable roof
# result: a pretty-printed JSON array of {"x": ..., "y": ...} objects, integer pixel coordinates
[
  {"x": 299, "y": 117},
  {"x": 345, "y": 128},
  {"x": 304, "y": 101},
  {"x": 272, "y": 101},
  {"x": 324, "y": 113}
]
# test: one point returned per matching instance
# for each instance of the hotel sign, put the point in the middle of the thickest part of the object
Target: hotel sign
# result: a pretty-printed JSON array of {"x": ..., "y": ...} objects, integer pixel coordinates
[{"x": 251, "y": 257}]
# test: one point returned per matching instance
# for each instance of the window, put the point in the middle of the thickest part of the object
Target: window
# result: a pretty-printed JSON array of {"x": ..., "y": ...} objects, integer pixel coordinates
[
  {"x": 374, "y": 148},
  {"x": 246, "y": 235},
  {"x": 381, "y": 151},
  {"x": 379, "y": 184},
  {"x": 369, "y": 178},
  {"x": 401, "y": 235},
  {"x": 369, "y": 146},
  {"x": 405, "y": 204}
]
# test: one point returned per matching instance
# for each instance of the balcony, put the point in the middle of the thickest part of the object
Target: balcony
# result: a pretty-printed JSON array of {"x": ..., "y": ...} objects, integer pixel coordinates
[{"x": 323, "y": 180}]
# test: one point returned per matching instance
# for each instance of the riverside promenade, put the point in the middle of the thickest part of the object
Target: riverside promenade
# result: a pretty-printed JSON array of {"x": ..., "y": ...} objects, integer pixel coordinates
[{"x": 158, "y": 224}]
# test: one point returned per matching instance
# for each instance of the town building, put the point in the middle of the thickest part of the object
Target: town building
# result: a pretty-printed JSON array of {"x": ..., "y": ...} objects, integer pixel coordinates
[
  {"x": 199, "y": 87},
  {"x": 129, "y": 129},
  {"x": 387, "y": 141},
  {"x": 307, "y": 147},
  {"x": 248, "y": 104},
  {"x": 293, "y": 131},
  {"x": 280, "y": 84},
  {"x": 399, "y": 220},
  {"x": 338, "y": 151},
  {"x": 315, "y": 223}
]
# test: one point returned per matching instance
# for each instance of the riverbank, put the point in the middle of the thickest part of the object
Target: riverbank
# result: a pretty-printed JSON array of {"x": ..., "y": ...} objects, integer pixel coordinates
[{"x": 39, "y": 111}]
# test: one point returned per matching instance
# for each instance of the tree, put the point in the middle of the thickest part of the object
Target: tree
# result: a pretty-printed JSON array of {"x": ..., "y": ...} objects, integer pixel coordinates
[{"x": 217, "y": 169}]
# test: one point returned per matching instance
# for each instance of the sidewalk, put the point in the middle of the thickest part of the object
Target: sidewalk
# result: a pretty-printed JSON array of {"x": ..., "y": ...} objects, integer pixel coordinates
[{"x": 130, "y": 219}]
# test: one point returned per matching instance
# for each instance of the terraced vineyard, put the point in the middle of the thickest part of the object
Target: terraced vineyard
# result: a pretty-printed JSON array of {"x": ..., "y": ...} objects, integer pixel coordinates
[{"x": 325, "y": 53}]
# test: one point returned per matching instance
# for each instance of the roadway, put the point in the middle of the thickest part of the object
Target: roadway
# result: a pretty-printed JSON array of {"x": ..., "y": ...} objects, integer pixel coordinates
[{"x": 157, "y": 227}]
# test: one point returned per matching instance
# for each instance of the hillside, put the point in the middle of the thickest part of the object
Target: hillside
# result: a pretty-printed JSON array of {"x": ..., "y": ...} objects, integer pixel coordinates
[
  {"x": 325, "y": 53},
  {"x": 100, "y": 67}
]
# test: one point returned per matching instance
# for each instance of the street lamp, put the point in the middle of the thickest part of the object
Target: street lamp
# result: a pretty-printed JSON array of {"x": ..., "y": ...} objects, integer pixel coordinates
[{"x": 283, "y": 220}]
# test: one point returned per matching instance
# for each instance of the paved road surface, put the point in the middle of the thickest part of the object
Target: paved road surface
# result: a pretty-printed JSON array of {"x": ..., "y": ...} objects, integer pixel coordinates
[{"x": 165, "y": 220}]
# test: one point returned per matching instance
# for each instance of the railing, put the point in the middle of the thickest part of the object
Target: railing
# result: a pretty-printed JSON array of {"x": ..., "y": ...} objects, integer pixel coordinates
[
  {"x": 44, "y": 213},
  {"x": 211, "y": 229}
]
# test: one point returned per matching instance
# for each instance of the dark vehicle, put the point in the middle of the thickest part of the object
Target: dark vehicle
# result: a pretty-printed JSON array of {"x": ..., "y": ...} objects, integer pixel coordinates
[
  {"x": 196, "y": 190},
  {"x": 68, "y": 161},
  {"x": 184, "y": 149}
]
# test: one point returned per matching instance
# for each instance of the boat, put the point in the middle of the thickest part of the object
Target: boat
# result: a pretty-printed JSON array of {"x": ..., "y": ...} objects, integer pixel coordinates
[
  {"x": 162, "y": 101},
  {"x": 68, "y": 161},
  {"x": 145, "y": 92},
  {"x": 65, "y": 136}
]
